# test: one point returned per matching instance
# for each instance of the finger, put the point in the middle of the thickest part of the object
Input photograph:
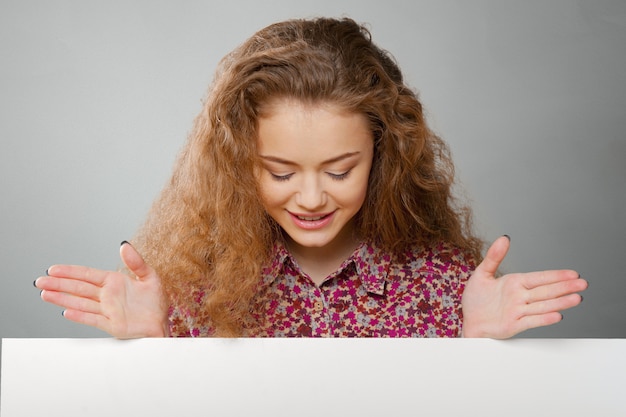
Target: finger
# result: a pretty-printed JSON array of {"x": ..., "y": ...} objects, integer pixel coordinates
[
  {"x": 539, "y": 320},
  {"x": 90, "y": 319},
  {"x": 134, "y": 262},
  {"x": 91, "y": 275},
  {"x": 536, "y": 279},
  {"x": 553, "y": 305},
  {"x": 556, "y": 289},
  {"x": 67, "y": 285},
  {"x": 70, "y": 301},
  {"x": 494, "y": 256}
]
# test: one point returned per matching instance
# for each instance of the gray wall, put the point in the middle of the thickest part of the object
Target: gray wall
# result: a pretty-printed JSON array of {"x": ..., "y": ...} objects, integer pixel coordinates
[{"x": 96, "y": 99}]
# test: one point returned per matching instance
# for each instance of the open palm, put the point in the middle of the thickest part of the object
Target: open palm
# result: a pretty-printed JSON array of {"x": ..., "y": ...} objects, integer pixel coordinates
[
  {"x": 123, "y": 306},
  {"x": 501, "y": 307}
]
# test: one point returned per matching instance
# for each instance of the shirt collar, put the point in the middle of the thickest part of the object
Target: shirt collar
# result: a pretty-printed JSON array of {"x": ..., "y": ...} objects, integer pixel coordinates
[
  {"x": 372, "y": 265},
  {"x": 277, "y": 262},
  {"x": 370, "y": 262}
]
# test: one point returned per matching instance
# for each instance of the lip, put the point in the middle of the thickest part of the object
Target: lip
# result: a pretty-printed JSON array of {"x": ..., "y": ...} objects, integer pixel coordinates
[{"x": 323, "y": 221}]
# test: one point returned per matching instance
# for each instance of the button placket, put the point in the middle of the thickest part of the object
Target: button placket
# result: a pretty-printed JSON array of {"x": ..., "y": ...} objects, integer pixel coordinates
[{"x": 320, "y": 307}]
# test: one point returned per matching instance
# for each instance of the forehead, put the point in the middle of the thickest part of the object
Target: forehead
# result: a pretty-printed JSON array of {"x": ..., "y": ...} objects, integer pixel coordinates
[
  {"x": 289, "y": 126},
  {"x": 282, "y": 104}
]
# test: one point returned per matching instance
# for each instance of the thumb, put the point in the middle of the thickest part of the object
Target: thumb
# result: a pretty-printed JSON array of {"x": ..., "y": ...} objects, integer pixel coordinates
[
  {"x": 494, "y": 256},
  {"x": 134, "y": 262}
]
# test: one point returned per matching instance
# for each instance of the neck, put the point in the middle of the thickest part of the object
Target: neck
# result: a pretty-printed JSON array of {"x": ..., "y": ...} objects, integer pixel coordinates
[{"x": 320, "y": 262}]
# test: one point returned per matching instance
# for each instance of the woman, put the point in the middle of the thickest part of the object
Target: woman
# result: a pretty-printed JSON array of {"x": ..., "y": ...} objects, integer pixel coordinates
[{"x": 311, "y": 199}]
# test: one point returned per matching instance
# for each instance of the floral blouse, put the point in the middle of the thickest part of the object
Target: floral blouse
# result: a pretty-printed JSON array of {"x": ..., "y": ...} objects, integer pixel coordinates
[{"x": 370, "y": 295}]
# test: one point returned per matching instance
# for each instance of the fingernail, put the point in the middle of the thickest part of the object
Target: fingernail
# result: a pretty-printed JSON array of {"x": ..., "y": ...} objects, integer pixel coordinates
[
  {"x": 124, "y": 242},
  {"x": 47, "y": 272},
  {"x": 581, "y": 298},
  {"x": 35, "y": 283},
  {"x": 508, "y": 237},
  {"x": 63, "y": 313}
]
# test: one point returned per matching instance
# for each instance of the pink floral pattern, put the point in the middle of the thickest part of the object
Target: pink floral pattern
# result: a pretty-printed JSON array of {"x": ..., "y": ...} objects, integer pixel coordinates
[{"x": 370, "y": 295}]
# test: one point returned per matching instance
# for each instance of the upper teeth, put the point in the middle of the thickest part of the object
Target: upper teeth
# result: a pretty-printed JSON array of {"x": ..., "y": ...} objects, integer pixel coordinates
[{"x": 310, "y": 218}]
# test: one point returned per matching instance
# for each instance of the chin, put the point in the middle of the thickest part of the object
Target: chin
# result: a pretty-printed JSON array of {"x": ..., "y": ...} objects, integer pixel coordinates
[{"x": 311, "y": 243}]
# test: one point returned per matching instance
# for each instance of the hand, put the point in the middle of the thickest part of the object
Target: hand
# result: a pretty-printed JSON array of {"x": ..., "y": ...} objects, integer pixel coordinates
[
  {"x": 114, "y": 302},
  {"x": 502, "y": 307}
]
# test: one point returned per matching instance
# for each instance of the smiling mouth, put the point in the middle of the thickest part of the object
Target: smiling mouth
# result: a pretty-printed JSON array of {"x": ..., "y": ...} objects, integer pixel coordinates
[
  {"x": 312, "y": 219},
  {"x": 315, "y": 222}
]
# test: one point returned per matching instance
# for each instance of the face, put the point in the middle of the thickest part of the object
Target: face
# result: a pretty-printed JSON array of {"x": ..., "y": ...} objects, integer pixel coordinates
[{"x": 316, "y": 161}]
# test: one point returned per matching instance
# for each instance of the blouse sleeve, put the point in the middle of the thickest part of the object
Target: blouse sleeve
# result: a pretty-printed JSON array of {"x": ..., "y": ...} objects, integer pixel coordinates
[
  {"x": 454, "y": 268},
  {"x": 183, "y": 318},
  {"x": 460, "y": 267}
]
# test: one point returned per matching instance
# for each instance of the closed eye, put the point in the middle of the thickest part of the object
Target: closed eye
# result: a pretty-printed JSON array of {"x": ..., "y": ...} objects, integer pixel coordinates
[
  {"x": 339, "y": 177},
  {"x": 281, "y": 177}
]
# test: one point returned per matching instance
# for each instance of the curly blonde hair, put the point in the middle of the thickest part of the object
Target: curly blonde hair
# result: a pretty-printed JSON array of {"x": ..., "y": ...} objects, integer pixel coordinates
[{"x": 208, "y": 230}]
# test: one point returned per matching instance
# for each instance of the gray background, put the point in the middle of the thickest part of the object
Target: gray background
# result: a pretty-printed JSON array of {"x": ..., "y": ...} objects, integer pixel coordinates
[{"x": 96, "y": 99}]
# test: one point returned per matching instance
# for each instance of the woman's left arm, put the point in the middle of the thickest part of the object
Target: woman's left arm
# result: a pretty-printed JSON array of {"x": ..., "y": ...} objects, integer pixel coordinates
[{"x": 501, "y": 307}]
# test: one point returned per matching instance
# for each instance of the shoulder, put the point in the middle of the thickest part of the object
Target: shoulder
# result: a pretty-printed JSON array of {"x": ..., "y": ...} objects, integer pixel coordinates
[{"x": 440, "y": 258}]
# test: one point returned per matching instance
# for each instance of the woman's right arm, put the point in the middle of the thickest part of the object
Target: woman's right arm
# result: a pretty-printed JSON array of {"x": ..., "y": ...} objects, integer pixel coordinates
[{"x": 123, "y": 306}]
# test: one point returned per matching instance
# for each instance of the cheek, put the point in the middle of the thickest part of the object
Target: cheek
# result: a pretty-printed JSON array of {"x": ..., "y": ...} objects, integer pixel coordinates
[
  {"x": 351, "y": 196},
  {"x": 264, "y": 191},
  {"x": 272, "y": 193}
]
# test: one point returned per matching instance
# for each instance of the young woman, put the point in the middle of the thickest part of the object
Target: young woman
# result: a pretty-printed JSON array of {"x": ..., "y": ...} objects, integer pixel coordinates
[{"x": 311, "y": 199}]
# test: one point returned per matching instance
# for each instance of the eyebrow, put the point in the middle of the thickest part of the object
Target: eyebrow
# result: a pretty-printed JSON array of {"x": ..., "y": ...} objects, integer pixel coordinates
[{"x": 328, "y": 161}]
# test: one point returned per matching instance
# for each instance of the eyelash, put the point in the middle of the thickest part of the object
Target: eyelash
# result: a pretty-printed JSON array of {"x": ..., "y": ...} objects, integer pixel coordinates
[
  {"x": 339, "y": 177},
  {"x": 335, "y": 177},
  {"x": 281, "y": 177}
]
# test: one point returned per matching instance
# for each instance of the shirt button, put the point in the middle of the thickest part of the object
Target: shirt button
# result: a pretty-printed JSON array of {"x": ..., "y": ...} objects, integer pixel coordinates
[{"x": 319, "y": 306}]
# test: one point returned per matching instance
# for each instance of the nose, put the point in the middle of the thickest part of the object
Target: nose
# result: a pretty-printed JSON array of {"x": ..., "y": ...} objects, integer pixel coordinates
[{"x": 311, "y": 194}]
